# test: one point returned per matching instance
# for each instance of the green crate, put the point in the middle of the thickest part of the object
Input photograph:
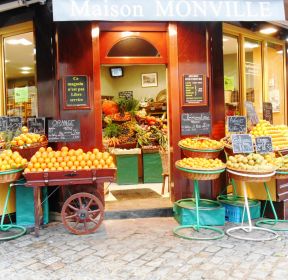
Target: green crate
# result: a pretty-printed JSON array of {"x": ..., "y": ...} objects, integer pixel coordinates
[
  {"x": 211, "y": 213},
  {"x": 152, "y": 168},
  {"x": 127, "y": 169}
]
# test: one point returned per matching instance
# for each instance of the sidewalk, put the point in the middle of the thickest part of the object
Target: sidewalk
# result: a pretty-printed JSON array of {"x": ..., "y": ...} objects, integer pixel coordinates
[{"x": 139, "y": 249}]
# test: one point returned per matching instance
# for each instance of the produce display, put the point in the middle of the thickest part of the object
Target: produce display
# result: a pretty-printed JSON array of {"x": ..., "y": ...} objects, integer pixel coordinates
[
  {"x": 45, "y": 159},
  {"x": 200, "y": 143},
  {"x": 11, "y": 160},
  {"x": 200, "y": 163}
]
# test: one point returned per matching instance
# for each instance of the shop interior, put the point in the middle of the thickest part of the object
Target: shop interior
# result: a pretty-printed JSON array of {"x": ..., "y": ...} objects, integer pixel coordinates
[{"x": 132, "y": 137}]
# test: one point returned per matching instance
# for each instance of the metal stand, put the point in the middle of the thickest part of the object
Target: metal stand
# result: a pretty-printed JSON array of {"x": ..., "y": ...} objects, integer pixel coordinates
[
  {"x": 6, "y": 228},
  {"x": 249, "y": 228},
  {"x": 197, "y": 227},
  {"x": 271, "y": 222}
]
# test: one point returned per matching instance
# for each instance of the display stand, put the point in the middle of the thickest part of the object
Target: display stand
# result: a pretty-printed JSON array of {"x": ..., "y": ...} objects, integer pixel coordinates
[
  {"x": 197, "y": 175},
  {"x": 248, "y": 229}
]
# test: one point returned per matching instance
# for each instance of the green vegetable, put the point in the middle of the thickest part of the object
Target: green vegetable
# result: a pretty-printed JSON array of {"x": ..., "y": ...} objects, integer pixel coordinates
[{"x": 112, "y": 130}]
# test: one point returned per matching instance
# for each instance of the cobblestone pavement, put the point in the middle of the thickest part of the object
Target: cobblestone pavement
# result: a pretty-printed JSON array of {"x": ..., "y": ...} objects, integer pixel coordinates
[{"x": 139, "y": 249}]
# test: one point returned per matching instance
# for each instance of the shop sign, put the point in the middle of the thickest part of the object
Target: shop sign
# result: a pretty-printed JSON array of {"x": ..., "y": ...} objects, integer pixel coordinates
[
  {"x": 268, "y": 112},
  {"x": 263, "y": 145},
  {"x": 242, "y": 143},
  {"x": 14, "y": 123},
  {"x": 194, "y": 90},
  {"x": 21, "y": 94},
  {"x": 3, "y": 124},
  {"x": 168, "y": 10},
  {"x": 36, "y": 125},
  {"x": 195, "y": 123},
  {"x": 251, "y": 113},
  {"x": 237, "y": 124},
  {"x": 128, "y": 94},
  {"x": 64, "y": 131},
  {"x": 76, "y": 92}
]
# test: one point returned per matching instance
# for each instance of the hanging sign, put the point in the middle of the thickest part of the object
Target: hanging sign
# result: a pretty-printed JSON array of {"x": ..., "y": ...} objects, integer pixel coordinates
[
  {"x": 237, "y": 124},
  {"x": 14, "y": 123},
  {"x": 36, "y": 125},
  {"x": 242, "y": 143},
  {"x": 3, "y": 124},
  {"x": 63, "y": 131},
  {"x": 195, "y": 123},
  {"x": 268, "y": 112},
  {"x": 164, "y": 10},
  {"x": 264, "y": 144},
  {"x": 194, "y": 90},
  {"x": 251, "y": 113}
]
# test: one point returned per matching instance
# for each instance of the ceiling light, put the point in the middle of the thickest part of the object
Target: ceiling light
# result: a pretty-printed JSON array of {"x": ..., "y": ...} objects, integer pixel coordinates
[
  {"x": 268, "y": 30},
  {"x": 249, "y": 45},
  {"x": 25, "y": 72},
  {"x": 26, "y": 68},
  {"x": 7, "y": 60},
  {"x": 21, "y": 41},
  {"x": 280, "y": 52},
  {"x": 34, "y": 51}
]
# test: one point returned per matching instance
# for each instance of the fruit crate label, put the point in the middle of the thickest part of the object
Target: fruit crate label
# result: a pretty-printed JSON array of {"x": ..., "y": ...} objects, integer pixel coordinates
[
  {"x": 36, "y": 125},
  {"x": 64, "y": 131},
  {"x": 268, "y": 112},
  {"x": 251, "y": 113},
  {"x": 128, "y": 94},
  {"x": 195, "y": 123},
  {"x": 14, "y": 123},
  {"x": 242, "y": 143},
  {"x": 3, "y": 123},
  {"x": 264, "y": 144},
  {"x": 237, "y": 124}
]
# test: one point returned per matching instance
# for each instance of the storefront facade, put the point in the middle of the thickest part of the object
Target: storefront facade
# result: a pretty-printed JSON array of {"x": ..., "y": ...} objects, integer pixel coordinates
[{"x": 65, "y": 48}]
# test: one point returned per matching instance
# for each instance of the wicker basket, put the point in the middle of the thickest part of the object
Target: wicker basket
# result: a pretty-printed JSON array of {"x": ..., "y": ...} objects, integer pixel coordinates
[
  {"x": 250, "y": 176},
  {"x": 281, "y": 174},
  {"x": 29, "y": 151},
  {"x": 165, "y": 161},
  {"x": 10, "y": 175},
  {"x": 202, "y": 153}
]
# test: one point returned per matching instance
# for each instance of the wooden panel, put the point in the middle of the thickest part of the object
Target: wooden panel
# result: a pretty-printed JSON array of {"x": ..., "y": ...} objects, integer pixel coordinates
[
  {"x": 131, "y": 26},
  {"x": 281, "y": 190}
]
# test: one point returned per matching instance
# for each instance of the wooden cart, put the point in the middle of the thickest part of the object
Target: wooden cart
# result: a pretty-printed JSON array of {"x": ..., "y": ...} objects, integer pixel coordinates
[{"x": 82, "y": 212}]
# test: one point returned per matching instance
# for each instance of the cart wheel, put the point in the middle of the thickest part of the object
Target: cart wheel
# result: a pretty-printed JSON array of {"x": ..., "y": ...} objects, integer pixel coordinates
[{"x": 82, "y": 213}]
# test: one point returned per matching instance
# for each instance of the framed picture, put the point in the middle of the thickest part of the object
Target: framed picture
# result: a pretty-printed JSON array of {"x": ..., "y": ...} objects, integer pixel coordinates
[{"x": 149, "y": 80}]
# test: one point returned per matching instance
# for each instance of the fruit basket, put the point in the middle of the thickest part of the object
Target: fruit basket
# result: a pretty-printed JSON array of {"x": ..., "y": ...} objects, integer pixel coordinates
[
  {"x": 281, "y": 174},
  {"x": 10, "y": 175},
  {"x": 250, "y": 176}
]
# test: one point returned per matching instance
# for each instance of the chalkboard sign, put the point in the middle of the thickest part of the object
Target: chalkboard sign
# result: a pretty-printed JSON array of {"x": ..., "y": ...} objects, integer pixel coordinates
[
  {"x": 195, "y": 123},
  {"x": 14, "y": 123},
  {"x": 36, "y": 125},
  {"x": 251, "y": 113},
  {"x": 64, "y": 131},
  {"x": 194, "y": 90},
  {"x": 268, "y": 112},
  {"x": 263, "y": 144},
  {"x": 237, "y": 124},
  {"x": 76, "y": 92},
  {"x": 3, "y": 123},
  {"x": 128, "y": 94},
  {"x": 242, "y": 143}
]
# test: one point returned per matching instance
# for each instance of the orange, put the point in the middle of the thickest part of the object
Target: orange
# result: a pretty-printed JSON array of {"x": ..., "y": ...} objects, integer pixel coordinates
[
  {"x": 78, "y": 152},
  {"x": 49, "y": 149},
  {"x": 80, "y": 157},
  {"x": 79, "y": 167},
  {"x": 73, "y": 167},
  {"x": 95, "y": 162},
  {"x": 59, "y": 168},
  {"x": 40, "y": 160},
  {"x": 76, "y": 163},
  {"x": 42, "y": 149},
  {"x": 33, "y": 169},
  {"x": 86, "y": 157},
  {"x": 95, "y": 151},
  {"x": 89, "y": 163},
  {"x": 36, "y": 165},
  {"x": 53, "y": 168},
  {"x": 71, "y": 152},
  {"x": 30, "y": 165},
  {"x": 69, "y": 163},
  {"x": 67, "y": 158},
  {"x": 59, "y": 159},
  {"x": 40, "y": 170},
  {"x": 44, "y": 154},
  {"x": 105, "y": 155},
  {"x": 102, "y": 161},
  {"x": 66, "y": 168},
  {"x": 37, "y": 154},
  {"x": 20, "y": 142},
  {"x": 43, "y": 165},
  {"x": 51, "y": 154},
  {"x": 64, "y": 153},
  {"x": 49, "y": 165},
  {"x": 56, "y": 164},
  {"x": 63, "y": 164},
  {"x": 99, "y": 156},
  {"x": 46, "y": 169},
  {"x": 47, "y": 160},
  {"x": 26, "y": 170},
  {"x": 53, "y": 160},
  {"x": 73, "y": 158},
  {"x": 57, "y": 154},
  {"x": 64, "y": 148},
  {"x": 82, "y": 163},
  {"x": 33, "y": 159},
  {"x": 105, "y": 166},
  {"x": 92, "y": 157},
  {"x": 86, "y": 167}
]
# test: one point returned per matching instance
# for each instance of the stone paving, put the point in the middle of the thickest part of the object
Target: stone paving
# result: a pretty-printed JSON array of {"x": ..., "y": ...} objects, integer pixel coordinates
[{"x": 139, "y": 249}]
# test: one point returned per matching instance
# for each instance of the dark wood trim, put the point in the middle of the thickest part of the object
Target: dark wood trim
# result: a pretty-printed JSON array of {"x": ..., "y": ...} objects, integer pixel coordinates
[{"x": 132, "y": 26}]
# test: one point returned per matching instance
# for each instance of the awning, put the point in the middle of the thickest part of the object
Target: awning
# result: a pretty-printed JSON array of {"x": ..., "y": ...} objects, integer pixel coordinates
[{"x": 168, "y": 10}]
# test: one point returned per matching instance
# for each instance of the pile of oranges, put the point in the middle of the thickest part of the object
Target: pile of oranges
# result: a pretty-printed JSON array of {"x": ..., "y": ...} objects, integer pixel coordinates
[
  {"x": 45, "y": 159},
  {"x": 26, "y": 138},
  {"x": 11, "y": 160}
]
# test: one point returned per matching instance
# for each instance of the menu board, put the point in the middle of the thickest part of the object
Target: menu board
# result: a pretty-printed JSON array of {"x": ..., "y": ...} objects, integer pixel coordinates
[
  {"x": 268, "y": 112},
  {"x": 76, "y": 92},
  {"x": 195, "y": 123},
  {"x": 237, "y": 124},
  {"x": 36, "y": 125},
  {"x": 264, "y": 144},
  {"x": 14, "y": 123},
  {"x": 64, "y": 131},
  {"x": 251, "y": 113},
  {"x": 128, "y": 94},
  {"x": 242, "y": 143},
  {"x": 3, "y": 123},
  {"x": 194, "y": 90}
]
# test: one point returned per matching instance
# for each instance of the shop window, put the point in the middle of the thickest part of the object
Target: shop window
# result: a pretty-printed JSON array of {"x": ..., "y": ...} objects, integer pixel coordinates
[
  {"x": 275, "y": 86},
  {"x": 231, "y": 74},
  {"x": 133, "y": 47}
]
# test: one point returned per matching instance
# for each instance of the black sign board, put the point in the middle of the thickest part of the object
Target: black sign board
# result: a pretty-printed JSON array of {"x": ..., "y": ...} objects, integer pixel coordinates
[
  {"x": 3, "y": 123},
  {"x": 268, "y": 112},
  {"x": 36, "y": 125},
  {"x": 64, "y": 131},
  {"x": 242, "y": 143},
  {"x": 128, "y": 94},
  {"x": 195, "y": 123},
  {"x": 237, "y": 124},
  {"x": 76, "y": 92},
  {"x": 195, "y": 90},
  {"x": 14, "y": 123},
  {"x": 251, "y": 113},
  {"x": 264, "y": 144}
]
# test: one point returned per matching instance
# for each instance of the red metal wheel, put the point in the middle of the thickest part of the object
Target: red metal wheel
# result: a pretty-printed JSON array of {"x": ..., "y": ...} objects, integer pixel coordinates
[{"x": 82, "y": 213}]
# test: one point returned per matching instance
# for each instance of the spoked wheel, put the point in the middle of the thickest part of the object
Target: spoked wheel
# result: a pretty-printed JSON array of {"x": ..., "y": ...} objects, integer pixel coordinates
[{"x": 82, "y": 213}]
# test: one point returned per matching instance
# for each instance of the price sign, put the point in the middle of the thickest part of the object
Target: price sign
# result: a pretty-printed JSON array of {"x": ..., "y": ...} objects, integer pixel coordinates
[
  {"x": 195, "y": 123},
  {"x": 14, "y": 123},
  {"x": 63, "y": 131},
  {"x": 251, "y": 113},
  {"x": 128, "y": 94},
  {"x": 3, "y": 123},
  {"x": 264, "y": 144},
  {"x": 268, "y": 112},
  {"x": 36, "y": 125},
  {"x": 242, "y": 143},
  {"x": 237, "y": 124},
  {"x": 194, "y": 90}
]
